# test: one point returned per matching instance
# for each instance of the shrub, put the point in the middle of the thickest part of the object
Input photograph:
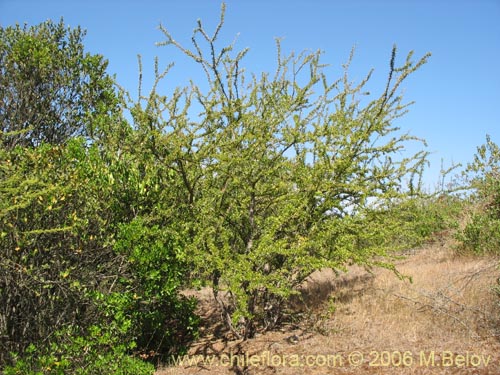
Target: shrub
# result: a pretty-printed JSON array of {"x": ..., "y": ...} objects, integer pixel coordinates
[
  {"x": 481, "y": 233},
  {"x": 89, "y": 261},
  {"x": 76, "y": 255},
  {"x": 274, "y": 178}
]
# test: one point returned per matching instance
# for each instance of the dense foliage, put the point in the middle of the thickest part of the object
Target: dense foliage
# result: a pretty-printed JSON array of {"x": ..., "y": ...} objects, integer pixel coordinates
[
  {"x": 50, "y": 88},
  {"x": 480, "y": 233},
  {"x": 78, "y": 254}
]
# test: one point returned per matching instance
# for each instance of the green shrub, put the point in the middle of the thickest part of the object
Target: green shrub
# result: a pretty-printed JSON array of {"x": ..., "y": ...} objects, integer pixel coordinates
[
  {"x": 274, "y": 179},
  {"x": 76, "y": 253},
  {"x": 51, "y": 89},
  {"x": 89, "y": 261},
  {"x": 481, "y": 233},
  {"x": 161, "y": 319}
]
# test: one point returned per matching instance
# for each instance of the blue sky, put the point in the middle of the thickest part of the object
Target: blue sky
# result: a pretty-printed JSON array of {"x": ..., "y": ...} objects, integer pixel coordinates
[{"x": 456, "y": 93}]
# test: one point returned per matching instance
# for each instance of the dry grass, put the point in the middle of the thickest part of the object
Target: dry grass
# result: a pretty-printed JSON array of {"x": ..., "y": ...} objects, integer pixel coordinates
[{"x": 449, "y": 307}]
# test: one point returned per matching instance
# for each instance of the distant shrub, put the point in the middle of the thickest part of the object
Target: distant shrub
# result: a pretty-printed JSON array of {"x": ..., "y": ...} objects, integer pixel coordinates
[
  {"x": 422, "y": 218},
  {"x": 481, "y": 233},
  {"x": 85, "y": 280}
]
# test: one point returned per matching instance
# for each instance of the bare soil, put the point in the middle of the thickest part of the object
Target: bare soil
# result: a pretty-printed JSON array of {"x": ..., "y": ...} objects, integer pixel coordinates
[{"x": 445, "y": 320}]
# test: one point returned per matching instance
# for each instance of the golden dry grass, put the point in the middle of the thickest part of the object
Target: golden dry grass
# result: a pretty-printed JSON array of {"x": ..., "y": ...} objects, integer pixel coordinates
[{"x": 449, "y": 310}]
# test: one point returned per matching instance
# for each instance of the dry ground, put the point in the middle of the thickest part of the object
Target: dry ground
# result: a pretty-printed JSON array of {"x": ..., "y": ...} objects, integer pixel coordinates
[{"x": 447, "y": 321}]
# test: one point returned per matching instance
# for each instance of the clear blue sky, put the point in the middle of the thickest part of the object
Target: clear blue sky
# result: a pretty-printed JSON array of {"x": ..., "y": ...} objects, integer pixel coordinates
[{"x": 456, "y": 93}]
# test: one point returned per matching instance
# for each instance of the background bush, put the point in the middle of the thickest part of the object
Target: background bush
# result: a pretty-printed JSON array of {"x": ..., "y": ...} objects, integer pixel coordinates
[
  {"x": 423, "y": 218},
  {"x": 481, "y": 231}
]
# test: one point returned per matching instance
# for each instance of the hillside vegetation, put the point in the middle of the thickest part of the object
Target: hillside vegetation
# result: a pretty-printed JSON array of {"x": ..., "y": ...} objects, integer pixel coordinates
[{"x": 137, "y": 229}]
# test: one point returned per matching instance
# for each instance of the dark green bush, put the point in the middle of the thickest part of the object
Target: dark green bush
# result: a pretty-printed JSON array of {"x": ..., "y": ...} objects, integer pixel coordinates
[
  {"x": 76, "y": 255},
  {"x": 50, "y": 88},
  {"x": 162, "y": 319}
]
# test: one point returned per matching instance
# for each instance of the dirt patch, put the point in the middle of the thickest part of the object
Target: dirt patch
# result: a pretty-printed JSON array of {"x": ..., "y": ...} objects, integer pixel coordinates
[{"x": 443, "y": 319}]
